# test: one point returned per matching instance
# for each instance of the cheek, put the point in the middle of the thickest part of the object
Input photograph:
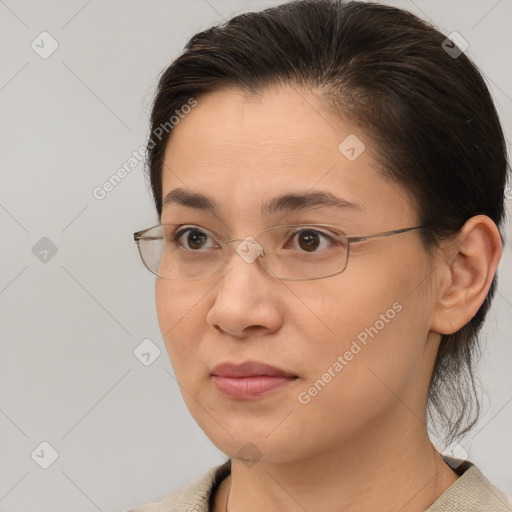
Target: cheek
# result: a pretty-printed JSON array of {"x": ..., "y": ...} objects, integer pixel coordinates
[
  {"x": 374, "y": 342},
  {"x": 182, "y": 320},
  {"x": 356, "y": 384}
]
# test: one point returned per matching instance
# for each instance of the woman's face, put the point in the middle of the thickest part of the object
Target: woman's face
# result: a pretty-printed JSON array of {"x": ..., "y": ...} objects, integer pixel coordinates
[{"x": 356, "y": 341}]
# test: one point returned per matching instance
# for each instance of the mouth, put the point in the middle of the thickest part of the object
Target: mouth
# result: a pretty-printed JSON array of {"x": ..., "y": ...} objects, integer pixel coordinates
[{"x": 250, "y": 380}]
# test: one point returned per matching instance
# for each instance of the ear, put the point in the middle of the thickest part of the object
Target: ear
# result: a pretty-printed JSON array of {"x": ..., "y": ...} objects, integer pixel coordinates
[{"x": 467, "y": 270}]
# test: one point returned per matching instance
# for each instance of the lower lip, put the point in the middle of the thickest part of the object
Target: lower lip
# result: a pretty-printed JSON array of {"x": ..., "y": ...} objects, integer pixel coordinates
[{"x": 247, "y": 388}]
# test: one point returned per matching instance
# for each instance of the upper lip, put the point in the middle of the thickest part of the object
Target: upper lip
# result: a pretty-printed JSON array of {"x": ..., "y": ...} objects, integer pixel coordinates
[{"x": 249, "y": 369}]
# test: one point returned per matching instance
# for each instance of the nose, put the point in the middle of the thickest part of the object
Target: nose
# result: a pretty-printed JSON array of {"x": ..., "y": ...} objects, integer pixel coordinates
[{"x": 244, "y": 294}]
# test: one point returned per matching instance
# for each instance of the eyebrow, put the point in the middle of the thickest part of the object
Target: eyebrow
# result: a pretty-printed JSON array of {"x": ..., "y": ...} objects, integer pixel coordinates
[{"x": 290, "y": 202}]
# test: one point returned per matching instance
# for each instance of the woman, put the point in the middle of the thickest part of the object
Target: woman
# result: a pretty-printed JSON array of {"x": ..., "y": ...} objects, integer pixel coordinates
[{"x": 329, "y": 179}]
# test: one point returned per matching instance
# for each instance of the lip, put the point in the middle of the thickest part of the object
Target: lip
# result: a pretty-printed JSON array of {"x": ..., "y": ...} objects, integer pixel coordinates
[
  {"x": 250, "y": 388},
  {"x": 249, "y": 380},
  {"x": 249, "y": 369}
]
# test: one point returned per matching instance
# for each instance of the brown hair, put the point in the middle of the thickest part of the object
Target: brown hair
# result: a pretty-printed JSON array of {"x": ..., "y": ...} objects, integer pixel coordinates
[{"x": 429, "y": 113}]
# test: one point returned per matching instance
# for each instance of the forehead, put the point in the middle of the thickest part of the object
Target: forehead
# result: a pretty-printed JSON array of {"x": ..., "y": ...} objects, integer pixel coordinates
[
  {"x": 282, "y": 122},
  {"x": 243, "y": 149}
]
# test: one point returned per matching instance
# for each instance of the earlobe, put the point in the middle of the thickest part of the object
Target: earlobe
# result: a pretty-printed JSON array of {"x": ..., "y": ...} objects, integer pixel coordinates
[{"x": 471, "y": 260}]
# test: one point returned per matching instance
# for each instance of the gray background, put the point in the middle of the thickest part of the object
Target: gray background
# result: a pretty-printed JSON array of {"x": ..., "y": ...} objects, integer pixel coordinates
[{"x": 70, "y": 324}]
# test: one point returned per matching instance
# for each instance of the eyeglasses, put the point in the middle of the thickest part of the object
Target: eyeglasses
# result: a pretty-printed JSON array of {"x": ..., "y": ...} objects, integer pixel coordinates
[{"x": 292, "y": 253}]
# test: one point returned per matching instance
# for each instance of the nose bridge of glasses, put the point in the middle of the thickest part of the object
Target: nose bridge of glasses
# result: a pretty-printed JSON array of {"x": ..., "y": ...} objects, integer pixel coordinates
[{"x": 248, "y": 249}]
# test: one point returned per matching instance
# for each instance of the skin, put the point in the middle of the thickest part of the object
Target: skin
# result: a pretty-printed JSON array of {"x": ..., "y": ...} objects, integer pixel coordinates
[{"x": 361, "y": 443}]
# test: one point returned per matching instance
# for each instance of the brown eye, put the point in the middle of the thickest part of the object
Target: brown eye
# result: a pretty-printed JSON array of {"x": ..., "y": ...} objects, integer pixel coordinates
[
  {"x": 309, "y": 240},
  {"x": 195, "y": 238}
]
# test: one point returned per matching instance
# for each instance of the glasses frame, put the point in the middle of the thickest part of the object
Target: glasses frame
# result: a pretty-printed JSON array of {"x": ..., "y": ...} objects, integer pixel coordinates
[{"x": 350, "y": 239}]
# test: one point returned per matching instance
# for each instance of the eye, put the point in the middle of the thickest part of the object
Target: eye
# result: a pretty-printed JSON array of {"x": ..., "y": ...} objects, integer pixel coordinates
[
  {"x": 194, "y": 240},
  {"x": 310, "y": 239}
]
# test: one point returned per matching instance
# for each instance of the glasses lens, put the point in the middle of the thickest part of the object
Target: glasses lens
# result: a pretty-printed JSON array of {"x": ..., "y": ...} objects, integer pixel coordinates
[
  {"x": 304, "y": 252},
  {"x": 150, "y": 245},
  {"x": 292, "y": 252},
  {"x": 175, "y": 252}
]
